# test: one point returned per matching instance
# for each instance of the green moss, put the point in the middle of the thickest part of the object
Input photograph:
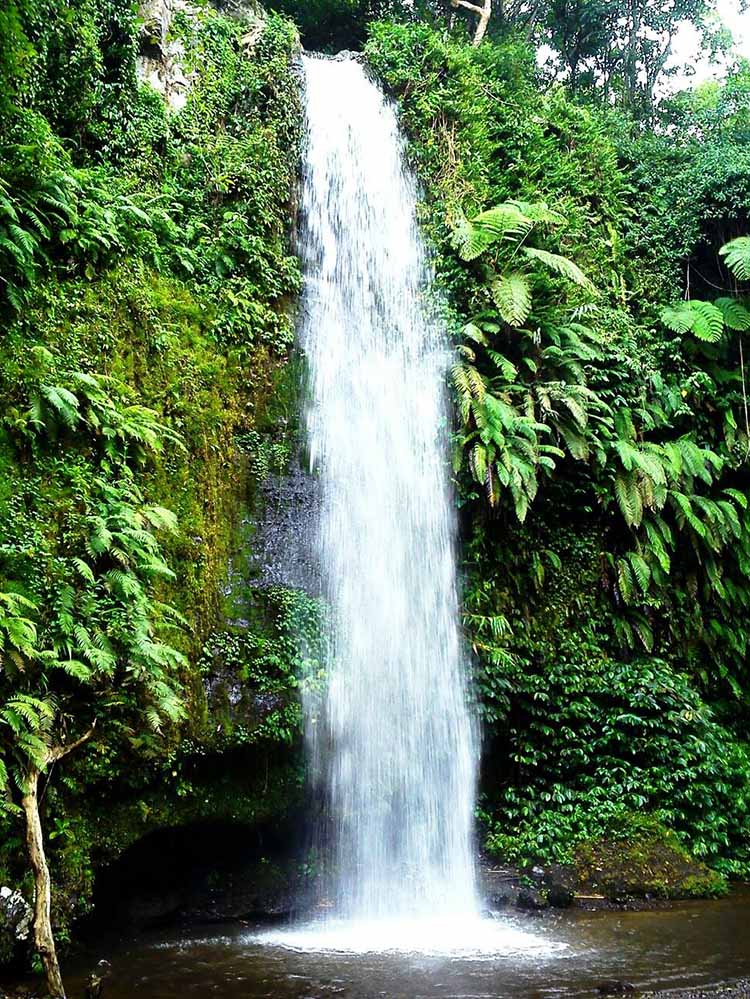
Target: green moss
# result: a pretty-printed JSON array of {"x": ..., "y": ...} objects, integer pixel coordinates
[{"x": 644, "y": 859}]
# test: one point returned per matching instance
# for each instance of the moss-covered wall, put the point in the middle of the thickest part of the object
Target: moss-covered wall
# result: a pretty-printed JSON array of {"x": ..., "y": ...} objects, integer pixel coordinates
[{"x": 184, "y": 306}]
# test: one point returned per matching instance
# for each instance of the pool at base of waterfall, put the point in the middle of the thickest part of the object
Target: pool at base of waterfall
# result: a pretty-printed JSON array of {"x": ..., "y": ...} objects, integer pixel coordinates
[{"x": 690, "y": 945}]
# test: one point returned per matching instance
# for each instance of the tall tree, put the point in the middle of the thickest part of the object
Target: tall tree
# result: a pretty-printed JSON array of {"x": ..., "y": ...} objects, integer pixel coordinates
[
  {"x": 624, "y": 44},
  {"x": 580, "y": 30}
]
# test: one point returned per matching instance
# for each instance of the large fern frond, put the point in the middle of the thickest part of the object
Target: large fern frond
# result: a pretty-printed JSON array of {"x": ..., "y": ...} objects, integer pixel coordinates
[
  {"x": 473, "y": 237},
  {"x": 736, "y": 254},
  {"x": 703, "y": 319},
  {"x": 736, "y": 315},
  {"x": 512, "y": 296},
  {"x": 560, "y": 265}
]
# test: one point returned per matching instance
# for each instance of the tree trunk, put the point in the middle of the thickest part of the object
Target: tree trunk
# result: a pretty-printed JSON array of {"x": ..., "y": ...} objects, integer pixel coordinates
[
  {"x": 43, "y": 938},
  {"x": 484, "y": 13},
  {"x": 484, "y": 20}
]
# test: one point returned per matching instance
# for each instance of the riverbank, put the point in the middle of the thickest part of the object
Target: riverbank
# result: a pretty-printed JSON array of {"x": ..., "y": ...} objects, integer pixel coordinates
[{"x": 737, "y": 990}]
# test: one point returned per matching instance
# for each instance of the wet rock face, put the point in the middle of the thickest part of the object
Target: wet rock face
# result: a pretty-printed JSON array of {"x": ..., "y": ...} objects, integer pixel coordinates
[
  {"x": 267, "y": 889},
  {"x": 204, "y": 874},
  {"x": 160, "y": 59},
  {"x": 15, "y": 921},
  {"x": 532, "y": 900},
  {"x": 286, "y": 525}
]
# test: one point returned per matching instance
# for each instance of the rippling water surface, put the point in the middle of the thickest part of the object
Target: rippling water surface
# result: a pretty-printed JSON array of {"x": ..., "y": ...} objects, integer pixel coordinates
[{"x": 688, "y": 945}]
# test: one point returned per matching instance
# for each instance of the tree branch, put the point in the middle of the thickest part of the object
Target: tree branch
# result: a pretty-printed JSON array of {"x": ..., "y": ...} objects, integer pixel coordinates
[
  {"x": 469, "y": 6},
  {"x": 483, "y": 11},
  {"x": 57, "y": 752}
]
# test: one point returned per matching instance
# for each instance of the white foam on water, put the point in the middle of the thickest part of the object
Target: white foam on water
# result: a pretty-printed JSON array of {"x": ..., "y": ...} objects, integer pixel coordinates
[{"x": 470, "y": 938}]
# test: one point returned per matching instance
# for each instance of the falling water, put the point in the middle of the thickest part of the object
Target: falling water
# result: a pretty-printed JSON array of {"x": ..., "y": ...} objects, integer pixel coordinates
[{"x": 394, "y": 736}]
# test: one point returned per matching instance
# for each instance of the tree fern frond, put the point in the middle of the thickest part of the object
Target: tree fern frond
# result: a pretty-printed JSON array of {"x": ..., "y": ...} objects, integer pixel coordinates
[
  {"x": 703, "y": 319},
  {"x": 736, "y": 255},
  {"x": 640, "y": 569},
  {"x": 560, "y": 265},
  {"x": 539, "y": 211},
  {"x": 629, "y": 499},
  {"x": 512, "y": 296},
  {"x": 473, "y": 237},
  {"x": 736, "y": 315},
  {"x": 709, "y": 322}
]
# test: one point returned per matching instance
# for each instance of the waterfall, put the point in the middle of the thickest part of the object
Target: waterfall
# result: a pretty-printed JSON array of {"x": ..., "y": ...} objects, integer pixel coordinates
[{"x": 393, "y": 738}]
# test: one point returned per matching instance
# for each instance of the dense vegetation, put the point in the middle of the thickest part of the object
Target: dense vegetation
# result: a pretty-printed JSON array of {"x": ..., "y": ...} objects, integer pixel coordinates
[
  {"x": 591, "y": 244},
  {"x": 146, "y": 281},
  {"x": 601, "y": 454}
]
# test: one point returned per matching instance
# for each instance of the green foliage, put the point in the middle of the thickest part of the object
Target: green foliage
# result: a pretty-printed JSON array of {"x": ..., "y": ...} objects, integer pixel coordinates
[
  {"x": 74, "y": 63},
  {"x": 608, "y": 436},
  {"x": 502, "y": 443},
  {"x": 620, "y": 50},
  {"x": 595, "y": 741},
  {"x": 736, "y": 253},
  {"x": 703, "y": 319},
  {"x": 145, "y": 278},
  {"x": 93, "y": 645},
  {"x": 692, "y": 181}
]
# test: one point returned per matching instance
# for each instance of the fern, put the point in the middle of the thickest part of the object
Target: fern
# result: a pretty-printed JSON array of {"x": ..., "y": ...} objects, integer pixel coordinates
[
  {"x": 560, "y": 265},
  {"x": 472, "y": 238},
  {"x": 736, "y": 254},
  {"x": 736, "y": 316},
  {"x": 540, "y": 212},
  {"x": 512, "y": 296},
  {"x": 625, "y": 580},
  {"x": 629, "y": 499},
  {"x": 702, "y": 319},
  {"x": 641, "y": 570},
  {"x": 708, "y": 324}
]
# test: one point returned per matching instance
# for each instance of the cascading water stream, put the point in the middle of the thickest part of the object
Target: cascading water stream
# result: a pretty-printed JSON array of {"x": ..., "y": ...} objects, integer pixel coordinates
[{"x": 394, "y": 739}]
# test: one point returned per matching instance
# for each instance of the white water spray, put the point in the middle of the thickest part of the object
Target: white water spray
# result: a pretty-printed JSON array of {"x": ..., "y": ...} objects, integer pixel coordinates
[{"x": 394, "y": 740}]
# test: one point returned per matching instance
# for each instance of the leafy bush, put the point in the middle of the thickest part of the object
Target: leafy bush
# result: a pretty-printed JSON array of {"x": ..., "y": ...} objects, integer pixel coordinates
[
  {"x": 591, "y": 743},
  {"x": 144, "y": 278}
]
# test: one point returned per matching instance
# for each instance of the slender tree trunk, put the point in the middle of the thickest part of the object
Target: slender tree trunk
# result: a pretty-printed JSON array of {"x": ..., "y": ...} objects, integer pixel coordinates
[
  {"x": 484, "y": 20},
  {"x": 483, "y": 11},
  {"x": 43, "y": 938}
]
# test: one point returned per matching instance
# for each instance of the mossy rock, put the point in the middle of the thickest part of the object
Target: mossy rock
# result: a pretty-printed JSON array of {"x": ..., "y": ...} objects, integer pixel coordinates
[{"x": 645, "y": 862}]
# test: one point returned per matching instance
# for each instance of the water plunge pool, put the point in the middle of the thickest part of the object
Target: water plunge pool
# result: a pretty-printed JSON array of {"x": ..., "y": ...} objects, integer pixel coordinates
[{"x": 687, "y": 945}]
